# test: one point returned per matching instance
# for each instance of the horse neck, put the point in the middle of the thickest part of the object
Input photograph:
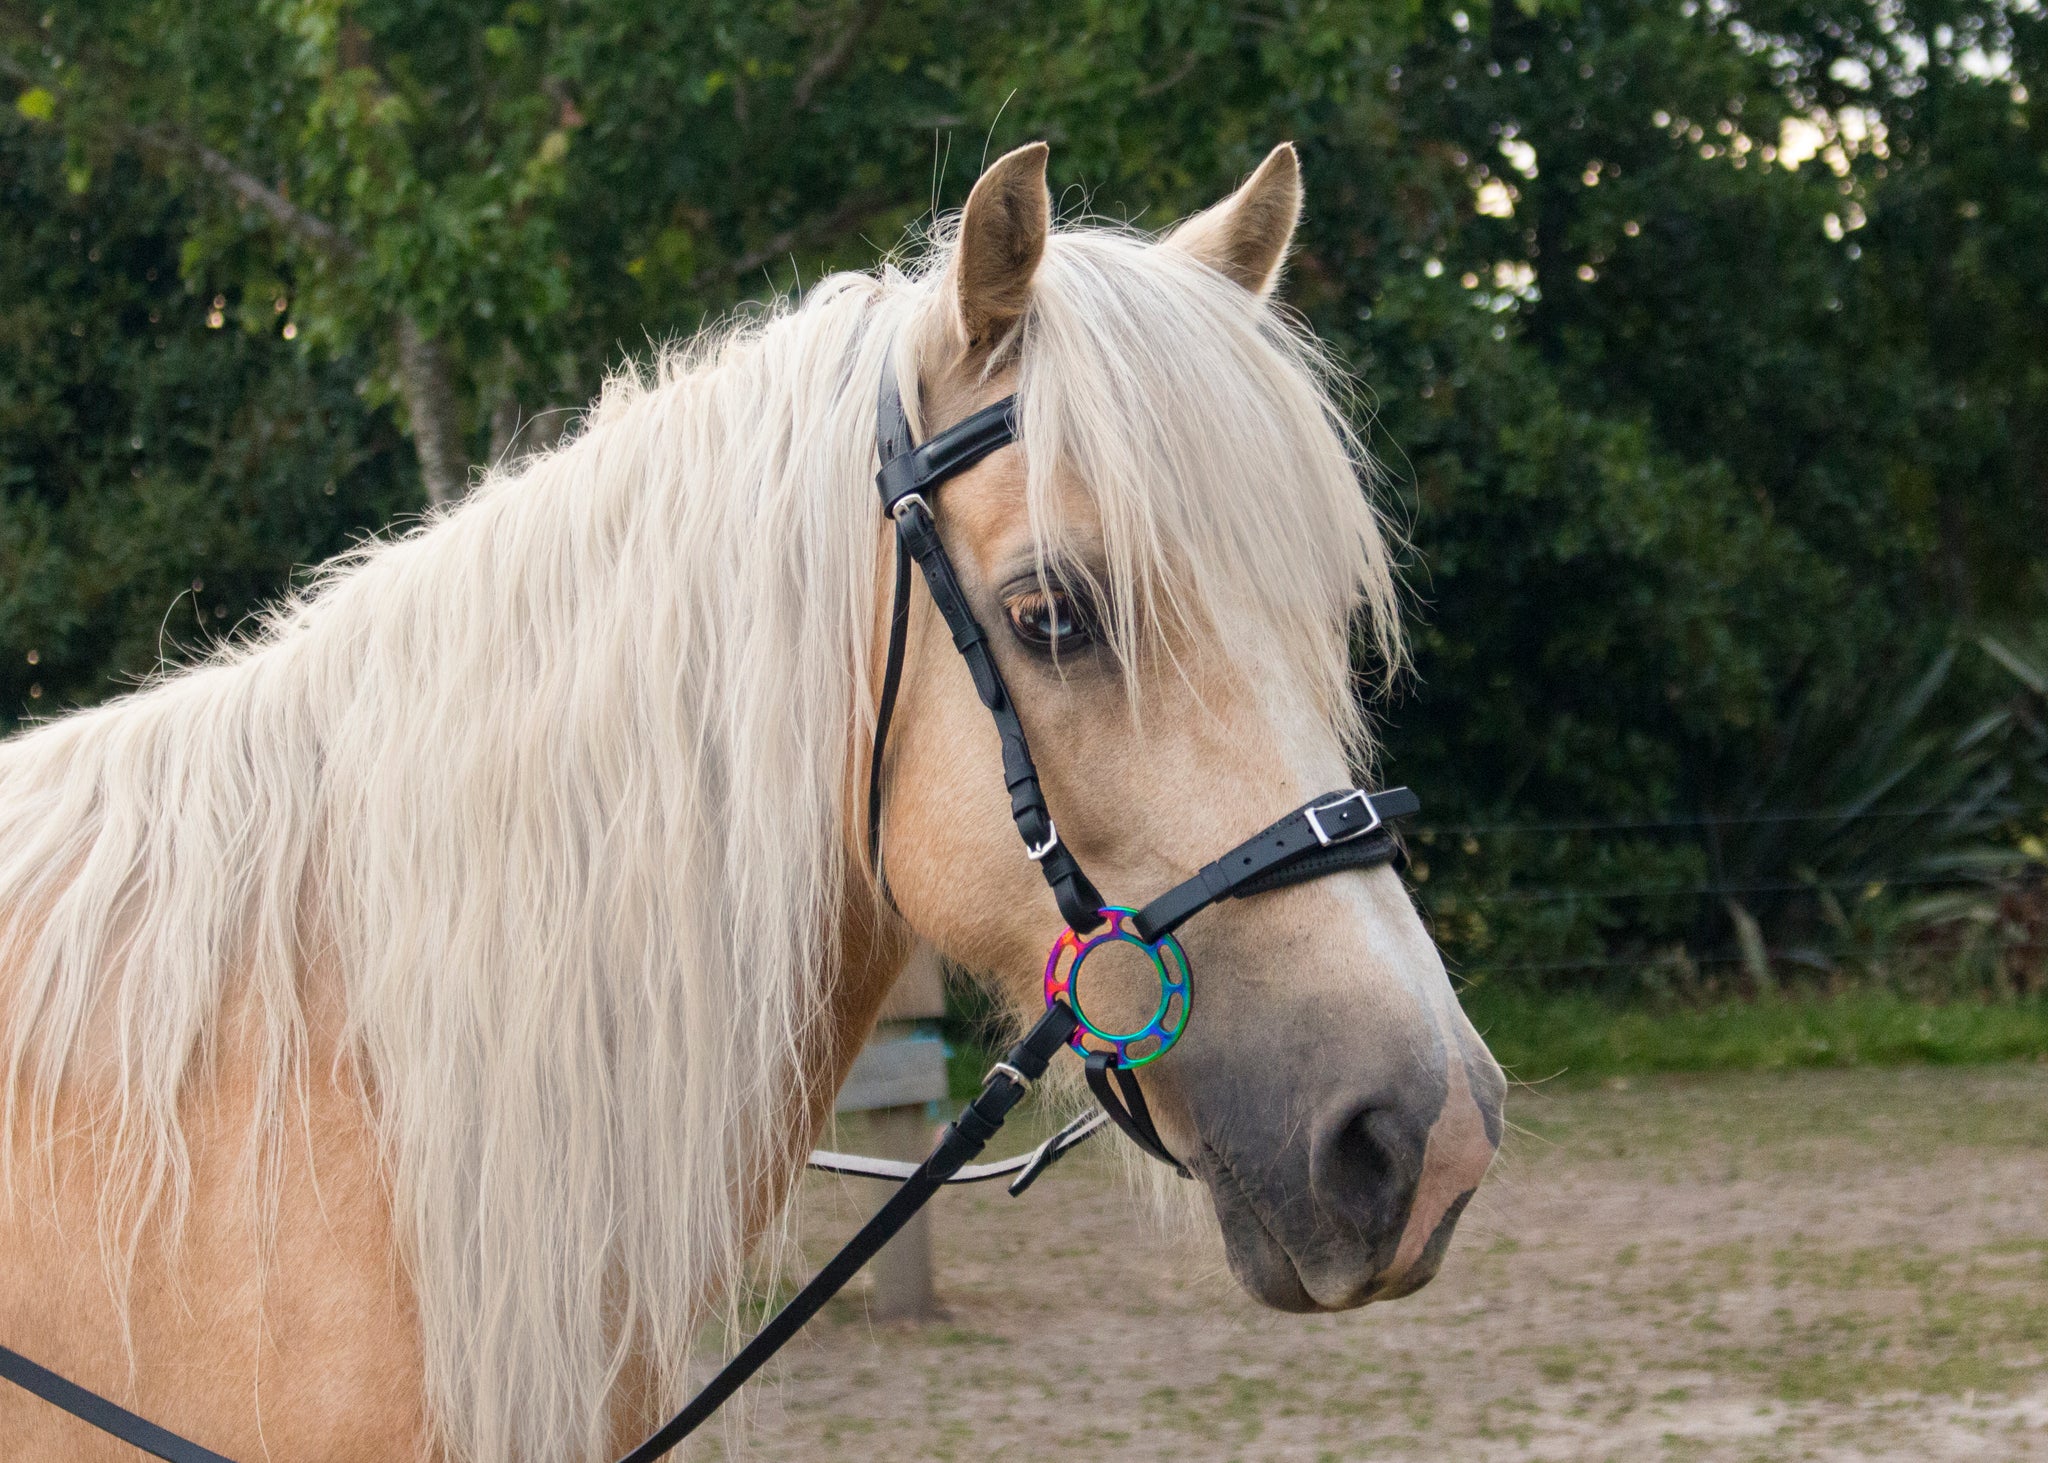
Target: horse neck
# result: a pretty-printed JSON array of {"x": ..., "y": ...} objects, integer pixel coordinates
[
  {"x": 617, "y": 798},
  {"x": 556, "y": 789}
]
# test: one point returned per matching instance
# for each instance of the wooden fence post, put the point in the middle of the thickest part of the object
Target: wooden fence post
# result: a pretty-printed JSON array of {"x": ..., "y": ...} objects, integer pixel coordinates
[{"x": 899, "y": 1072}]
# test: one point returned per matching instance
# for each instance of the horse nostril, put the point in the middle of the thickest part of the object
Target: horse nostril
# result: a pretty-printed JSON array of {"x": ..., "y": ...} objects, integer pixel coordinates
[{"x": 1365, "y": 1167}]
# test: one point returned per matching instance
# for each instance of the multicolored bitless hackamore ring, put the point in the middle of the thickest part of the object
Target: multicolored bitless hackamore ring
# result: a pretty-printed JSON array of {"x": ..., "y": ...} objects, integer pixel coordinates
[{"x": 1169, "y": 962}]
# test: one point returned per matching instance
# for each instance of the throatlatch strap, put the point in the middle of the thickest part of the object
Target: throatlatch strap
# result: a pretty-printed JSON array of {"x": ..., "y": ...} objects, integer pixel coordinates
[
  {"x": 90, "y": 1407},
  {"x": 967, "y": 1135},
  {"x": 1125, "y": 1104},
  {"x": 907, "y": 474},
  {"x": 1340, "y": 830},
  {"x": 892, "y": 679}
]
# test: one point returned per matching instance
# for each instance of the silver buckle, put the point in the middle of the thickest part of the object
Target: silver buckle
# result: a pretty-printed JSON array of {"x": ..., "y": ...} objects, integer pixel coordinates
[
  {"x": 1052, "y": 841},
  {"x": 1323, "y": 835},
  {"x": 1008, "y": 1071},
  {"x": 902, "y": 505}
]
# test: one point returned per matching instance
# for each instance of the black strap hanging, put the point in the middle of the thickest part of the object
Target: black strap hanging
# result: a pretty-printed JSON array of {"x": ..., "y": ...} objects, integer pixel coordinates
[
  {"x": 1003, "y": 1088},
  {"x": 892, "y": 680},
  {"x": 1125, "y": 1104},
  {"x": 108, "y": 1417}
]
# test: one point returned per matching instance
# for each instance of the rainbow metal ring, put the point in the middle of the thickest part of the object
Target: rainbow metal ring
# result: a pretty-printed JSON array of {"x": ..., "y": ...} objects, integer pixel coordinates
[{"x": 1169, "y": 961}]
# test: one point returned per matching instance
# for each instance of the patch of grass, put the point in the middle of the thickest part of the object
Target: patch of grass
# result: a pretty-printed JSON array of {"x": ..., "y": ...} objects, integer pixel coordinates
[
  {"x": 1584, "y": 1038},
  {"x": 958, "y": 1336},
  {"x": 966, "y": 1064}
]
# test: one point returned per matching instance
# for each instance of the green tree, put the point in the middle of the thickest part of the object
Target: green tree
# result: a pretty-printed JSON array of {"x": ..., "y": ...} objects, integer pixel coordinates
[
  {"x": 492, "y": 197},
  {"x": 1702, "y": 344},
  {"x": 160, "y": 471}
]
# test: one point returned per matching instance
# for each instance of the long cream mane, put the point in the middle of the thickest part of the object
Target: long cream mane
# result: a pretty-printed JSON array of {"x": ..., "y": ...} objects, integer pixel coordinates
[{"x": 555, "y": 786}]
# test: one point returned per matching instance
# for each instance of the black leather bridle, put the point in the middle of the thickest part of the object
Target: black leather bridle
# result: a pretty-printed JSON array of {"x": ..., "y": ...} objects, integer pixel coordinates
[{"x": 1345, "y": 829}]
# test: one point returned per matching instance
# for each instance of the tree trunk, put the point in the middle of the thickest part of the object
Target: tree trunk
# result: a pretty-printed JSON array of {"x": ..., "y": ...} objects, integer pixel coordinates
[
  {"x": 504, "y": 430},
  {"x": 508, "y": 422},
  {"x": 430, "y": 399},
  {"x": 1756, "y": 955}
]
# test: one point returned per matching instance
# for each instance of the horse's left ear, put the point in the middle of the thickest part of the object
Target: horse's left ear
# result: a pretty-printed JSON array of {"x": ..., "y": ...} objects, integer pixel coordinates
[{"x": 1246, "y": 235}]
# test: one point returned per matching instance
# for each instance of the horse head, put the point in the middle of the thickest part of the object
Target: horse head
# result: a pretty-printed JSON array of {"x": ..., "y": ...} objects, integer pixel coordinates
[{"x": 1173, "y": 565}]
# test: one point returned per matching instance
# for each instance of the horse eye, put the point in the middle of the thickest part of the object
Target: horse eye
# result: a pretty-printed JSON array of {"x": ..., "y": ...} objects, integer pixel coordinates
[{"x": 1048, "y": 621}]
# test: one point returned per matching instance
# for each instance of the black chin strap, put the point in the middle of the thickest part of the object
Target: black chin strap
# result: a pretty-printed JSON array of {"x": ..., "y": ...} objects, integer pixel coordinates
[
  {"x": 909, "y": 472},
  {"x": 1116, "y": 1089}
]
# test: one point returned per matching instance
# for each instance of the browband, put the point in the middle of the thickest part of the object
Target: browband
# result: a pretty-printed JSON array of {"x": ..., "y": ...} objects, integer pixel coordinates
[{"x": 947, "y": 455}]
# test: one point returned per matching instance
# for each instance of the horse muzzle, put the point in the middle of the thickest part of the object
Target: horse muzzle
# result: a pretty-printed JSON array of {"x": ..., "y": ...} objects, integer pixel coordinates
[{"x": 1361, "y": 1204}]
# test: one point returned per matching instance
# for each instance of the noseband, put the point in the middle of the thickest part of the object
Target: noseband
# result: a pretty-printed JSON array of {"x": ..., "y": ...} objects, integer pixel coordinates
[{"x": 1345, "y": 829}]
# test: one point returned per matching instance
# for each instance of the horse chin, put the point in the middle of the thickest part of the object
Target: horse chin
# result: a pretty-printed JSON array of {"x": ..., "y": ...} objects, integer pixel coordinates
[
  {"x": 1265, "y": 1269},
  {"x": 1271, "y": 1275},
  {"x": 1260, "y": 1262}
]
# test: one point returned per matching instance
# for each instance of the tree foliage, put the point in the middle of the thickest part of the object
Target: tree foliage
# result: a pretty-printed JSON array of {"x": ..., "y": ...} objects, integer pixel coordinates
[
  {"x": 1702, "y": 343},
  {"x": 160, "y": 471}
]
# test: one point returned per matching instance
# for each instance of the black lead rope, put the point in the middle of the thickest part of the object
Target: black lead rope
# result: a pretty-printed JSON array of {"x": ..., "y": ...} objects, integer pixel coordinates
[
  {"x": 108, "y": 1417},
  {"x": 966, "y": 1136}
]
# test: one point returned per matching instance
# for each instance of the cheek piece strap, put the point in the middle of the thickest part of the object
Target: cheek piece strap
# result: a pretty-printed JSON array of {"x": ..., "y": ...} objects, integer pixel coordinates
[{"x": 909, "y": 472}]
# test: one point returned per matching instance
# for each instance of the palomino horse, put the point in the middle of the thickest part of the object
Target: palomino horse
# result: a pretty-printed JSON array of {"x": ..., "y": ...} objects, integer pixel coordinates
[{"x": 411, "y": 1016}]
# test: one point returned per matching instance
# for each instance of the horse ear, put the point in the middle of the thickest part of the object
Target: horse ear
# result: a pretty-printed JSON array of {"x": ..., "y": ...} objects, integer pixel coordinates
[
  {"x": 1002, "y": 237},
  {"x": 1246, "y": 235}
]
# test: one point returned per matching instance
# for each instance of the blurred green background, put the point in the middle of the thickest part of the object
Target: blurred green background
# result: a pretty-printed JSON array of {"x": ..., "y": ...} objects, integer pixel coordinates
[{"x": 1704, "y": 347}]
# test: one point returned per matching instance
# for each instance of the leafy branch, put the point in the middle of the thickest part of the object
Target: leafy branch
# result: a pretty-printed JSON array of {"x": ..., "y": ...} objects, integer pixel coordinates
[
  {"x": 424, "y": 375},
  {"x": 836, "y": 57}
]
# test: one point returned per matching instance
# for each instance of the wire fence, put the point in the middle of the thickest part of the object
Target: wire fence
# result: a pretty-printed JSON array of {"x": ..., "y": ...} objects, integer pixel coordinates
[
  {"x": 1592, "y": 894},
  {"x": 1801, "y": 956},
  {"x": 2005, "y": 924},
  {"x": 1698, "y": 820}
]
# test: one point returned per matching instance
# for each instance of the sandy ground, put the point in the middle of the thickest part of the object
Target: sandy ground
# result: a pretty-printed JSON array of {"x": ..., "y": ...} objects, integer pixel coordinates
[{"x": 1804, "y": 1266}]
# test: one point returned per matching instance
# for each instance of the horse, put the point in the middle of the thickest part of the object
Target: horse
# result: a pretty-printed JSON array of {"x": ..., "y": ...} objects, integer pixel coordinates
[{"x": 414, "y": 1014}]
